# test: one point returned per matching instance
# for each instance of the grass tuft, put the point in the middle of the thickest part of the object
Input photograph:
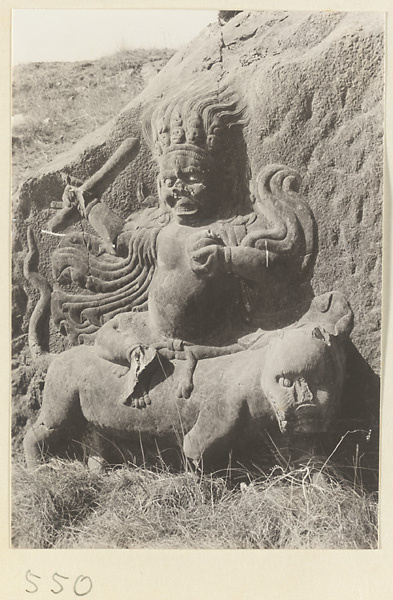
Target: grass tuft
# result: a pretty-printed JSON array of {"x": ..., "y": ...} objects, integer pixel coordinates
[
  {"x": 64, "y": 505},
  {"x": 50, "y": 500}
]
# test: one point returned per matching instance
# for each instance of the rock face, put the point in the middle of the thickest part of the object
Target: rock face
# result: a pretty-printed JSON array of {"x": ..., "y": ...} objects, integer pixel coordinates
[{"x": 313, "y": 84}]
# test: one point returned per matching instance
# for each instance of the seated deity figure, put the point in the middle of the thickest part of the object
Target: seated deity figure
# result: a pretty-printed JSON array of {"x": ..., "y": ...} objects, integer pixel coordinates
[
  {"x": 175, "y": 290},
  {"x": 193, "y": 272}
]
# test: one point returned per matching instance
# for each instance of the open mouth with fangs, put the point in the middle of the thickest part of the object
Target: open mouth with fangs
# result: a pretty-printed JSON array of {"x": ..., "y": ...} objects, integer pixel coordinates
[
  {"x": 185, "y": 206},
  {"x": 306, "y": 418}
]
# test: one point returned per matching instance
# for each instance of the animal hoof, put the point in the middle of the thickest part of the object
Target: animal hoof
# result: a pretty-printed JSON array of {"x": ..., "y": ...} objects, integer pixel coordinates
[{"x": 96, "y": 464}]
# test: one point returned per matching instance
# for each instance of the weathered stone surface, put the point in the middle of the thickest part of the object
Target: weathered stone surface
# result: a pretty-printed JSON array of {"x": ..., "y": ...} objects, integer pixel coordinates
[{"x": 314, "y": 86}]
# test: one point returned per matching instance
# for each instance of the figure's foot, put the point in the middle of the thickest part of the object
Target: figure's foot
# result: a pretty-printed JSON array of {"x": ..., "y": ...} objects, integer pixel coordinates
[
  {"x": 119, "y": 370},
  {"x": 140, "y": 398},
  {"x": 185, "y": 383},
  {"x": 140, "y": 402},
  {"x": 184, "y": 388}
]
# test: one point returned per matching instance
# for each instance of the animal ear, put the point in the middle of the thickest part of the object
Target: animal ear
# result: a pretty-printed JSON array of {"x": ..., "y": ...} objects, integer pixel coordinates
[
  {"x": 344, "y": 325},
  {"x": 338, "y": 315},
  {"x": 323, "y": 302},
  {"x": 321, "y": 334}
]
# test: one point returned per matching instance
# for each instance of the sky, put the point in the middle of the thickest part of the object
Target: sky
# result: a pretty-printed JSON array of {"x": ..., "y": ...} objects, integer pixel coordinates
[{"x": 68, "y": 35}]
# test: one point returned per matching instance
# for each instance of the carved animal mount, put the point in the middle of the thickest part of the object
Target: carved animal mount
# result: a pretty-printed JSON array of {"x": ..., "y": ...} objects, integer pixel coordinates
[
  {"x": 246, "y": 391},
  {"x": 238, "y": 393}
]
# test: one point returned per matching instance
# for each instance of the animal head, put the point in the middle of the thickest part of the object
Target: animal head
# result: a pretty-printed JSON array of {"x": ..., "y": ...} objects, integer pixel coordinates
[{"x": 302, "y": 378}]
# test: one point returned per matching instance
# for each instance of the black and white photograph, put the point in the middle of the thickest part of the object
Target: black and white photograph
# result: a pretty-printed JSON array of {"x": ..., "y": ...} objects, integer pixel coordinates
[{"x": 197, "y": 201}]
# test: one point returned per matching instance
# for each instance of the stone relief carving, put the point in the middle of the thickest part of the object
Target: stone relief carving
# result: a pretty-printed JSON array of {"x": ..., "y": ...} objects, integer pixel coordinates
[{"x": 193, "y": 320}]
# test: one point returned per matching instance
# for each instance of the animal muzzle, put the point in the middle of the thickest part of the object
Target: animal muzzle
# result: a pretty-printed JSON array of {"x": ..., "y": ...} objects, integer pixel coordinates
[
  {"x": 302, "y": 393},
  {"x": 296, "y": 410}
]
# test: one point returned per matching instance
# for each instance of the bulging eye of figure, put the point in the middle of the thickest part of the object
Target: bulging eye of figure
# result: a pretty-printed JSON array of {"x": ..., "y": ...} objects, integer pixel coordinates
[
  {"x": 169, "y": 181},
  {"x": 285, "y": 382},
  {"x": 193, "y": 178}
]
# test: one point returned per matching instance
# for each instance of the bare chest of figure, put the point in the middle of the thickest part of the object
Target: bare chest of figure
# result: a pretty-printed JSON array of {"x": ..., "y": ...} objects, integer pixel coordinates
[{"x": 183, "y": 304}]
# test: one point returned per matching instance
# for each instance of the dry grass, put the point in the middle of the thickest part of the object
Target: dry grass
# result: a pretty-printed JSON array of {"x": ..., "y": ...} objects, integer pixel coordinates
[
  {"x": 62, "y": 102},
  {"x": 64, "y": 505}
]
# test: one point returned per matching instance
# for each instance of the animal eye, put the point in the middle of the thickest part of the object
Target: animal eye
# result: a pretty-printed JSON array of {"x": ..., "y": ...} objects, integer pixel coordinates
[
  {"x": 285, "y": 382},
  {"x": 168, "y": 181}
]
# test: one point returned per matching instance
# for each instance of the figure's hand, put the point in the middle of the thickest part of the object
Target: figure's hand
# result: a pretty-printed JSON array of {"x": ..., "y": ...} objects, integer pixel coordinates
[
  {"x": 208, "y": 261},
  {"x": 73, "y": 196},
  {"x": 206, "y": 252}
]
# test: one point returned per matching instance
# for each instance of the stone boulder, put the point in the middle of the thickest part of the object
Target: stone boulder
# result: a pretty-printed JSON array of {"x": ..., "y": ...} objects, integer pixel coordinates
[{"x": 314, "y": 86}]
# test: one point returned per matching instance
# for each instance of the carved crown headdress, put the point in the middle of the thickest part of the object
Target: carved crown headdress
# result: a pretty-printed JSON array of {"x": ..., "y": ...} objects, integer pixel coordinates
[{"x": 194, "y": 122}]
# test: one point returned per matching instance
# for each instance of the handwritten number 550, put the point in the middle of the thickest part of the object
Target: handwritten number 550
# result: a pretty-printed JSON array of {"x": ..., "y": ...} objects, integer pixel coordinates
[{"x": 82, "y": 584}]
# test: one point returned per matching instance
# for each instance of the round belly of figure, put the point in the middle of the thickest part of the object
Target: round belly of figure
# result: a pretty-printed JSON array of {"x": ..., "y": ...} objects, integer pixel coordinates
[{"x": 188, "y": 307}]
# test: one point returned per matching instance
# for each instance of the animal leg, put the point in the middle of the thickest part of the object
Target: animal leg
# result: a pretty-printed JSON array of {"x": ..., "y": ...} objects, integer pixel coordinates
[
  {"x": 60, "y": 417},
  {"x": 38, "y": 442},
  {"x": 100, "y": 452},
  {"x": 213, "y": 429}
]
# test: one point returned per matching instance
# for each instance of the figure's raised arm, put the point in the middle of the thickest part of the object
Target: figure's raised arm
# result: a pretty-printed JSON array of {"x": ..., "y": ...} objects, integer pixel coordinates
[{"x": 85, "y": 200}]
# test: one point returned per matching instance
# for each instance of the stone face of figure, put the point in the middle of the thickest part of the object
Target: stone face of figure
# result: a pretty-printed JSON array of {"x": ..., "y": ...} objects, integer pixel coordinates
[{"x": 184, "y": 187}]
